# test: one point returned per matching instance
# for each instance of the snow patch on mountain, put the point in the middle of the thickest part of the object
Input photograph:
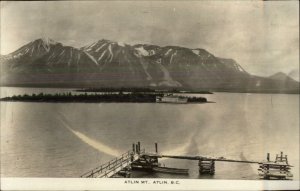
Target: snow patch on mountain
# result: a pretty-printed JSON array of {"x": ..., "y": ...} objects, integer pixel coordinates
[
  {"x": 152, "y": 84},
  {"x": 141, "y": 51},
  {"x": 78, "y": 59},
  {"x": 100, "y": 47},
  {"x": 70, "y": 59},
  {"x": 151, "y": 52},
  {"x": 240, "y": 68},
  {"x": 166, "y": 54},
  {"x": 89, "y": 47},
  {"x": 47, "y": 42},
  {"x": 62, "y": 52},
  {"x": 168, "y": 81},
  {"x": 50, "y": 56},
  {"x": 111, "y": 52},
  {"x": 103, "y": 53},
  {"x": 26, "y": 50},
  {"x": 121, "y": 44},
  {"x": 32, "y": 51},
  {"x": 18, "y": 55},
  {"x": 195, "y": 51},
  {"x": 258, "y": 83},
  {"x": 171, "y": 59},
  {"x": 145, "y": 68},
  {"x": 92, "y": 58},
  {"x": 92, "y": 45},
  {"x": 158, "y": 61}
]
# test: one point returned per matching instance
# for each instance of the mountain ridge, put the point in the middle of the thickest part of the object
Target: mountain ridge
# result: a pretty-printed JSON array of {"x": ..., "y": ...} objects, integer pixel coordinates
[
  {"x": 281, "y": 76},
  {"x": 109, "y": 63}
]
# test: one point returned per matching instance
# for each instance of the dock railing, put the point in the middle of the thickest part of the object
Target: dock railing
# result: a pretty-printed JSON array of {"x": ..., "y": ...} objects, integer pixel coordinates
[{"x": 106, "y": 169}]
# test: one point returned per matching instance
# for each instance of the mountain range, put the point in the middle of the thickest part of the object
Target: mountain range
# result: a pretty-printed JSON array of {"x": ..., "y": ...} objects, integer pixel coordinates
[{"x": 105, "y": 63}]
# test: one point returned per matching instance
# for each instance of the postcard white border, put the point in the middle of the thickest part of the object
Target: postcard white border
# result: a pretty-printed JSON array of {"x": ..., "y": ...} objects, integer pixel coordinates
[{"x": 119, "y": 184}]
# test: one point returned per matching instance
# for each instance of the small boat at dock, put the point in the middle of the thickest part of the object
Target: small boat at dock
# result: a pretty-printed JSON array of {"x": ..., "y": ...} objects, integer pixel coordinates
[{"x": 171, "y": 170}]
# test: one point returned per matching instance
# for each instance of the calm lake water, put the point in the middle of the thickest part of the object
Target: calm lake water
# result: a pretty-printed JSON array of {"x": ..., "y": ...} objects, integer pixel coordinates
[{"x": 68, "y": 139}]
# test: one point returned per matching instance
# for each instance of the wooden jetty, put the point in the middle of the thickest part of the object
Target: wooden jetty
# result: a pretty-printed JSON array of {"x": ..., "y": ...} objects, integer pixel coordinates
[{"x": 138, "y": 159}]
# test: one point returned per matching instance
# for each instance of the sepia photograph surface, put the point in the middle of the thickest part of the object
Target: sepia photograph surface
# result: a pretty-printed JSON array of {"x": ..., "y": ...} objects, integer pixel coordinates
[{"x": 158, "y": 91}]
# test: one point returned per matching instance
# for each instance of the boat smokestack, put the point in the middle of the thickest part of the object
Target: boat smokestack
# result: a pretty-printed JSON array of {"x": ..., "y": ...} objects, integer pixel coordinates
[{"x": 156, "y": 148}]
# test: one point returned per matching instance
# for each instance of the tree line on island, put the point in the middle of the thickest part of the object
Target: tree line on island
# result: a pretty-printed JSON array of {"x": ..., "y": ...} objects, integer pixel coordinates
[{"x": 133, "y": 97}]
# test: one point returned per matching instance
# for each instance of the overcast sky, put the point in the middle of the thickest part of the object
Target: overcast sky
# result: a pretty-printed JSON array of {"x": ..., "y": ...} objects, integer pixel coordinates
[{"x": 261, "y": 36}]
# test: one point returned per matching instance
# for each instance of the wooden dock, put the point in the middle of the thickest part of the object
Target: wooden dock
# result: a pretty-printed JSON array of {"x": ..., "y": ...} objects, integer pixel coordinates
[
  {"x": 120, "y": 165},
  {"x": 138, "y": 159},
  {"x": 113, "y": 167}
]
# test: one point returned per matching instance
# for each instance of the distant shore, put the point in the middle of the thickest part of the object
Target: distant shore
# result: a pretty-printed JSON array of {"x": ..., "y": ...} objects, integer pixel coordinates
[
  {"x": 79, "y": 88},
  {"x": 142, "y": 90},
  {"x": 94, "y": 98}
]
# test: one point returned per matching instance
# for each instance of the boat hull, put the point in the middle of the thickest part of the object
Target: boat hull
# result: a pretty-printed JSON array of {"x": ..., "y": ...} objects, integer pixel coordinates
[{"x": 171, "y": 170}]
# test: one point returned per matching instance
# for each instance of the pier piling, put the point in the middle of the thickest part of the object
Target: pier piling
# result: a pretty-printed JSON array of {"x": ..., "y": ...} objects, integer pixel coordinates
[
  {"x": 278, "y": 169},
  {"x": 206, "y": 167},
  {"x": 133, "y": 148},
  {"x": 139, "y": 146}
]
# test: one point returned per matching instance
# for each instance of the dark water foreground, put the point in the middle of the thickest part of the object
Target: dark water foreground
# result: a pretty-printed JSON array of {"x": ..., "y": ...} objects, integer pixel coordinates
[{"x": 94, "y": 98}]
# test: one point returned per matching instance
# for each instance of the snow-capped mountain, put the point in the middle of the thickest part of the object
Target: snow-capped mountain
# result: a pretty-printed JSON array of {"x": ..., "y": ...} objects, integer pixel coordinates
[
  {"x": 32, "y": 50},
  {"x": 108, "y": 63},
  {"x": 46, "y": 55}
]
